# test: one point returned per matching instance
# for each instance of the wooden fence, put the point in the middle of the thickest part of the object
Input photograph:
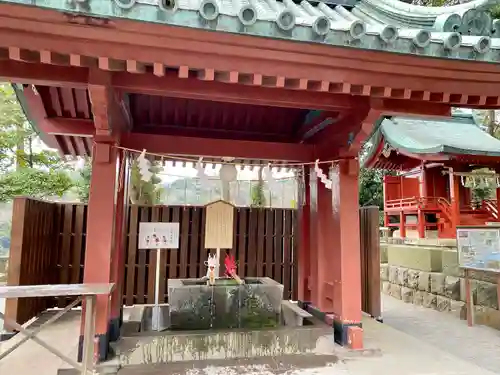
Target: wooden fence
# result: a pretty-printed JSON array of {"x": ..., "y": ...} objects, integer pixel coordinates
[
  {"x": 48, "y": 246},
  {"x": 264, "y": 245},
  {"x": 370, "y": 261}
]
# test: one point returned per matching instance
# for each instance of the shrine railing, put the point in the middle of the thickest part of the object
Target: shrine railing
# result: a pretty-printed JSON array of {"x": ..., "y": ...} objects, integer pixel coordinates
[
  {"x": 491, "y": 206},
  {"x": 414, "y": 203}
]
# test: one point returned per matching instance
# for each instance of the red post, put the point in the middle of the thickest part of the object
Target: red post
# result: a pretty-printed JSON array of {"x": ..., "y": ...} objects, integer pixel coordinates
[
  {"x": 454, "y": 199},
  {"x": 118, "y": 257},
  {"x": 304, "y": 272},
  {"x": 402, "y": 224},
  {"x": 421, "y": 224},
  {"x": 339, "y": 257},
  {"x": 99, "y": 252}
]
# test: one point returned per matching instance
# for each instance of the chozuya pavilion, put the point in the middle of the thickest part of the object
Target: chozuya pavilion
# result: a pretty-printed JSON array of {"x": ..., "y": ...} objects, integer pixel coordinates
[{"x": 251, "y": 79}]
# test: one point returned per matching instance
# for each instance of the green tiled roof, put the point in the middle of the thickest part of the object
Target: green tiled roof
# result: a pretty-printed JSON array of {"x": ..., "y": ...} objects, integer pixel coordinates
[
  {"x": 458, "y": 135},
  {"x": 464, "y": 31}
]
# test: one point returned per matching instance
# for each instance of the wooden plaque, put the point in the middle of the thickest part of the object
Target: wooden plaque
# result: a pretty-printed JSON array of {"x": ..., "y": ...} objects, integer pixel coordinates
[{"x": 219, "y": 225}]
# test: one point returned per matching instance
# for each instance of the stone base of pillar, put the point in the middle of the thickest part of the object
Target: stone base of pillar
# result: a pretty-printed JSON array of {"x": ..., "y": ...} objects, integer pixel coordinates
[
  {"x": 341, "y": 335},
  {"x": 106, "y": 352}
]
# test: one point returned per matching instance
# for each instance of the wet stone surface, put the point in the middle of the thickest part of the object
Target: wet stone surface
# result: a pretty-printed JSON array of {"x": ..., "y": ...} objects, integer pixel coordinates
[{"x": 196, "y": 306}]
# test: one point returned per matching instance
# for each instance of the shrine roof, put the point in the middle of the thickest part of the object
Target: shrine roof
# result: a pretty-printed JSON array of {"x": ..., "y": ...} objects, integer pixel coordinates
[
  {"x": 464, "y": 31},
  {"x": 414, "y": 137}
]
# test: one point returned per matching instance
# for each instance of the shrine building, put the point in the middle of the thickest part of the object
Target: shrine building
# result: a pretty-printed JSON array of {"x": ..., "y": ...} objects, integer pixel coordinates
[
  {"x": 437, "y": 164},
  {"x": 278, "y": 82}
]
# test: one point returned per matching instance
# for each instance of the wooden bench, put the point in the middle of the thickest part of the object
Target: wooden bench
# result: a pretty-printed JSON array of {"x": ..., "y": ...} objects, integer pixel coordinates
[{"x": 293, "y": 315}]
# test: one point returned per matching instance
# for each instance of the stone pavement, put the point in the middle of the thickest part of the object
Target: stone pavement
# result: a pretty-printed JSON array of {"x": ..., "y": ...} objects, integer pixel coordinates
[
  {"x": 479, "y": 345},
  {"x": 433, "y": 344}
]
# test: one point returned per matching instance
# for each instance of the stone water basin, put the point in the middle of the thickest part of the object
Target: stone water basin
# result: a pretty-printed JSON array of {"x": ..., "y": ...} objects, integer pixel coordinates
[{"x": 194, "y": 305}]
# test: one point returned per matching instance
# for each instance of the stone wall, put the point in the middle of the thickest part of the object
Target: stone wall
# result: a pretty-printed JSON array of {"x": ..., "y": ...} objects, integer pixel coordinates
[{"x": 430, "y": 277}]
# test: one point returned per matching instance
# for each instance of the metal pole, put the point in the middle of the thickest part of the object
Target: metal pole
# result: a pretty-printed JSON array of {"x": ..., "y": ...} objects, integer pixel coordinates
[
  {"x": 156, "y": 309},
  {"x": 88, "y": 336}
]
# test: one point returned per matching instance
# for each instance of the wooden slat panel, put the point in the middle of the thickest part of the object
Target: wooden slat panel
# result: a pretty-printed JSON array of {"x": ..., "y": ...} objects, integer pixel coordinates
[
  {"x": 66, "y": 250},
  {"x": 370, "y": 261},
  {"x": 165, "y": 217},
  {"x": 131, "y": 271},
  {"x": 143, "y": 257},
  {"x": 242, "y": 213},
  {"x": 194, "y": 251},
  {"x": 287, "y": 243},
  {"x": 252, "y": 243},
  {"x": 78, "y": 244},
  {"x": 174, "y": 254},
  {"x": 295, "y": 256},
  {"x": 278, "y": 245},
  {"x": 155, "y": 217},
  {"x": 184, "y": 241},
  {"x": 260, "y": 250},
  {"x": 269, "y": 237}
]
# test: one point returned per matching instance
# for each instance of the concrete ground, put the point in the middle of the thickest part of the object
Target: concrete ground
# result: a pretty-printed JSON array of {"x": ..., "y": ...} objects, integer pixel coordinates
[
  {"x": 2, "y": 310},
  {"x": 479, "y": 345},
  {"x": 412, "y": 341}
]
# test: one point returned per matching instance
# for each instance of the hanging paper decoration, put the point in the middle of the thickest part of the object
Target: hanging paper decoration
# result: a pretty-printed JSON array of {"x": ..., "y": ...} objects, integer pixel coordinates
[
  {"x": 200, "y": 172},
  {"x": 144, "y": 165},
  {"x": 268, "y": 173},
  {"x": 322, "y": 177}
]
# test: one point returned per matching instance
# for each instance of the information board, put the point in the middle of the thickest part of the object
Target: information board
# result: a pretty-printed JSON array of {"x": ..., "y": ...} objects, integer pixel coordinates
[
  {"x": 479, "y": 248},
  {"x": 158, "y": 235}
]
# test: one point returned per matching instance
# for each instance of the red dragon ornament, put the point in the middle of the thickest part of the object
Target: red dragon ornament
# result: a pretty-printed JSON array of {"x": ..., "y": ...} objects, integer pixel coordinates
[{"x": 230, "y": 264}]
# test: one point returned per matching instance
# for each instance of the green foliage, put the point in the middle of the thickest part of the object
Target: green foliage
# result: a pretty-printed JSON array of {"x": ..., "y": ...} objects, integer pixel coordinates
[
  {"x": 83, "y": 182},
  {"x": 145, "y": 192},
  {"x": 258, "y": 195},
  {"x": 24, "y": 170},
  {"x": 34, "y": 183}
]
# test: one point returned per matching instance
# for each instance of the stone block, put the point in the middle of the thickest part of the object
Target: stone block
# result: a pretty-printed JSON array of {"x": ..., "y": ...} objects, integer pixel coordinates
[
  {"x": 403, "y": 276},
  {"x": 487, "y": 316},
  {"x": 458, "y": 309},
  {"x": 437, "y": 283},
  {"x": 407, "y": 294},
  {"x": 442, "y": 303},
  {"x": 449, "y": 260},
  {"x": 393, "y": 274},
  {"x": 486, "y": 294},
  {"x": 418, "y": 297},
  {"x": 395, "y": 291},
  {"x": 452, "y": 287},
  {"x": 386, "y": 287},
  {"x": 413, "y": 276},
  {"x": 429, "y": 300},
  {"x": 384, "y": 272},
  {"x": 424, "y": 281},
  {"x": 383, "y": 253},
  {"x": 423, "y": 258}
]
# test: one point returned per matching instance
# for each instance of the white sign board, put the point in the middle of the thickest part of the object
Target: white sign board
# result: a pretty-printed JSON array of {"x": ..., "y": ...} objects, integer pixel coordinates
[
  {"x": 158, "y": 235},
  {"x": 479, "y": 248}
]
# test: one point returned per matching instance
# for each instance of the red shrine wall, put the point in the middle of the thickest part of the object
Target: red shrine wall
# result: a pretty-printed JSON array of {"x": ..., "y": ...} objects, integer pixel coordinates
[
  {"x": 398, "y": 187},
  {"x": 436, "y": 184}
]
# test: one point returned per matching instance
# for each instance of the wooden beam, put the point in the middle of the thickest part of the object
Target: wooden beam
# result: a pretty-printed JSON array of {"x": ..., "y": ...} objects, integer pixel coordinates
[
  {"x": 110, "y": 114},
  {"x": 166, "y": 144},
  {"x": 69, "y": 127},
  {"x": 410, "y": 108},
  {"x": 43, "y": 74},
  {"x": 193, "y": 88}
]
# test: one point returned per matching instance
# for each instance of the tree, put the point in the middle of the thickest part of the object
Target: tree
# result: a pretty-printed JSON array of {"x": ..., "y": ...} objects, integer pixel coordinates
[
  {"x": 258, "y": 195},
  {"x": 145, "y": 192},
  {"x": 83, "y": 182},
  {"x": 26, "y": 168}
]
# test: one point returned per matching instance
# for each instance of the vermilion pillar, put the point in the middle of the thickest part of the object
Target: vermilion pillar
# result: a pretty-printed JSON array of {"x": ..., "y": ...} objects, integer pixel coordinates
[
  {"x": 304, "y": 272},
  {"x": 100, "y": 257},
  {"x": 346, "y": 254},
  {"x": 336, "y": 264},
  {"x": 454, "y": 199}
]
